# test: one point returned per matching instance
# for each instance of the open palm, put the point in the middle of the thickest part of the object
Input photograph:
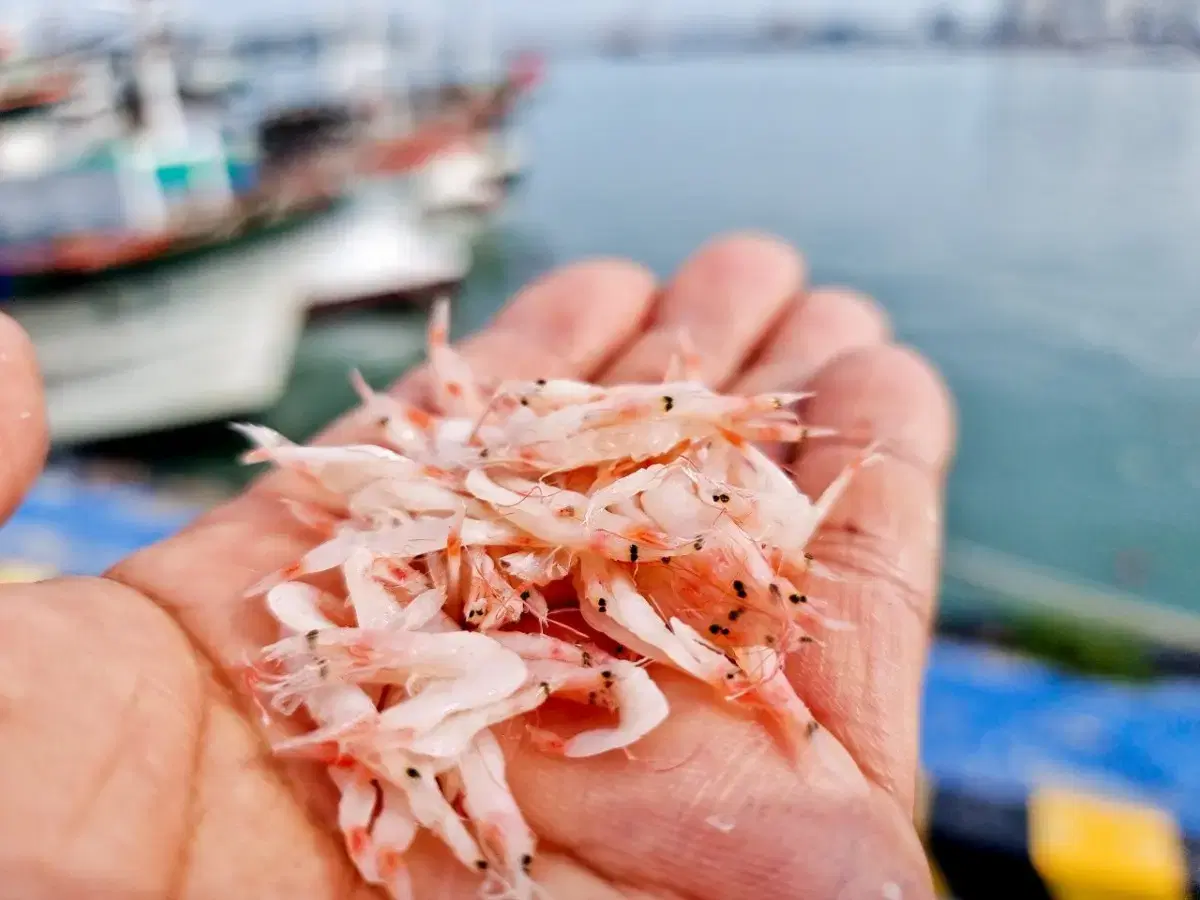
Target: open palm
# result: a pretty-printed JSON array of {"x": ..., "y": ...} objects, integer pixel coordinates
[{"x": 132, "y": 763}]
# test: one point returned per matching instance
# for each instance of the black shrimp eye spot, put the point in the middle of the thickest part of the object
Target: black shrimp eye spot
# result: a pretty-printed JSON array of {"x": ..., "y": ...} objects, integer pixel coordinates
[
  {"x": 526, "y": 862},
  {"x": 412, "y": 773},
  {"x": 666, "y": 560},
  {"x": 809, "y": 557},
  {"x": 481, "y": 865},
  {"x": 716, "y": 498},
  {"x": 382, "y": 421},
  {"x": 798, "y": 598},
  {"x": 524, "y": 402},
  {"x": 734, "y": 614},
  {"x": 633, "y": 552},
  {"x": 725, "y": 632},
  {"x": 769, "y": 639},
  {"x": 541, "y": 382},
  {"x": 714, "y": 629},
  {"x": 699, "y": 545},
  {"x": 312, "y": 636},
  {"x": 483, "y": 454},
  {"x": 739, "y": 588},
  {"x": 811, "y": 728},
  {"x": 668, "y": 403},
  {"x": 729, "y": 676},
  {"x": 524, "y": 595},
  {"x": 606, "y": 674}
]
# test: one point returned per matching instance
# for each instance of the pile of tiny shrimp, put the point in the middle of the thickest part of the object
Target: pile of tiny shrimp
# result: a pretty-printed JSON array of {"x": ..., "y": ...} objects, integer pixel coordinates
[{"x": 456, "y": 541}]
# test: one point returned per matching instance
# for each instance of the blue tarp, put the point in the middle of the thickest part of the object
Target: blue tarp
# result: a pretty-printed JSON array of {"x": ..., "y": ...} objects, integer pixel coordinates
[{"x": 993, "y": 723}]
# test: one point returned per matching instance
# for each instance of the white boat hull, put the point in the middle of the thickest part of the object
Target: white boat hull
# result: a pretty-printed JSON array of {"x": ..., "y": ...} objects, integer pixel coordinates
[{"x": 458, "y": 180}]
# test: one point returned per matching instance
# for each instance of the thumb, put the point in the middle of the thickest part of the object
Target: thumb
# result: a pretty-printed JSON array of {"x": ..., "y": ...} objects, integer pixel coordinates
[{"x": 23, "y": 432}]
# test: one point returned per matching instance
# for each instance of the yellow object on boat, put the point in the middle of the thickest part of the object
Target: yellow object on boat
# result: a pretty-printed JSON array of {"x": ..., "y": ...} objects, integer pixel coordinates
[{"x": 1093, "y": 848}]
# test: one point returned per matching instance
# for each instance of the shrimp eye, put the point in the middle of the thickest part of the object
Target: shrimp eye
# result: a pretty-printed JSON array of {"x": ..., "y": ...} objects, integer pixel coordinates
[
  {"x": 740, "y": 589},
  {"x": 666, "y": 560},
  {"x": 774, "y": 589},
  {"x": 716, "y": 498},
  {"x": 724, "y": 498},
  {"x": 524, "y": 402},
  {"x": 798, "y": 598},
  {"x": 311, "y": 637},
  {"x": 633, "y": 552},
  {"x": 481, "y": 865},
  {"x": 668, "y": 403},
  {"x": 526, "y": 862},
  {"x": 714, "y": 629},
  {"x": 606, "y": 674},
  {"x": 524, "y": 595},
  {"x": 412, "y": 773},
  {"x": 382, "y": 421},
  {"x": 541, "y": 382},
  {"x": 699, "y": 545}
]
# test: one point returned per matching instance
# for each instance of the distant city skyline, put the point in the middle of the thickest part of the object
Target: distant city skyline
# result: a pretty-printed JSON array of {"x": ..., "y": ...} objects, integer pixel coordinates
[{"x": 546, "y": 16}]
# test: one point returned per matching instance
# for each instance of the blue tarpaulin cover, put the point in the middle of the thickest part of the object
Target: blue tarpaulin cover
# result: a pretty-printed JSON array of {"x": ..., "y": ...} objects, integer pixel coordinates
[{"x": 994, "y": 723}]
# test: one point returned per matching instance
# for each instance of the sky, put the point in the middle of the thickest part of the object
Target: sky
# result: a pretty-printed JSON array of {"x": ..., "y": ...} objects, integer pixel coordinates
[{"x": 540, "y": 16}]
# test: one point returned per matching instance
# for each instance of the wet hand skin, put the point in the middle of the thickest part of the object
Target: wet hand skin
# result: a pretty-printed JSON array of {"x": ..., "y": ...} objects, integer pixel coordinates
[{"x": 132, "y": 764}]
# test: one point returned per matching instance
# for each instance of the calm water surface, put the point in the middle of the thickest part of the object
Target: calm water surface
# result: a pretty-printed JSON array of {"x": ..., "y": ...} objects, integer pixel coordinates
[{"x": 1031, "y": 225}]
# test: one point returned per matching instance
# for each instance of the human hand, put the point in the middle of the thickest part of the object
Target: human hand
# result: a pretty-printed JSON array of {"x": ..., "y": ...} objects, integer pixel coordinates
[{"x": 132, "y": 765}]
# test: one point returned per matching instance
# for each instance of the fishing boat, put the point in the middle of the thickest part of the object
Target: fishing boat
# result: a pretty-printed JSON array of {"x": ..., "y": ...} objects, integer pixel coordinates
[
  {"x": 150, "y": 182},
  {"x": 455, "y": 143},
  {"x": 31, "y": 82}
]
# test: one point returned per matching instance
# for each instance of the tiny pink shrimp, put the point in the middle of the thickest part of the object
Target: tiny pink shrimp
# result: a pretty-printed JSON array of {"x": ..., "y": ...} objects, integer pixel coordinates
[
  {"x": 456, "y": 390},
  {"x": 545, "y": 396},
  {"x": 468, "y": 670},
  {"x": 545, "y": 647},
  {"x": 356, "y": 812},
  {"x": 373, "y": 606},
  {"x": 537, "y": 567},
  {"x": 429, "y": 807},
  {"x": 491, "y": 808},
  {"x": 451, "y": 737},
  {"x": 405, "y": 427},
  {"x": 393, "y": 834},
  {"x": 342, "y": 470},
  {"x": 641, "y": 705},
  {"x": 581, "y": 684},
  {"x": 614, "y": 593}
]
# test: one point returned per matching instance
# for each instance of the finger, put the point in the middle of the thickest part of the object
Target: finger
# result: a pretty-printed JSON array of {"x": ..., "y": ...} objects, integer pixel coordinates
[
  {"x": 725, "y": 297},
  {"x": 707, "y": 806},
  {"x": 23, "y": 432},
  {"x": 816, "y": 329},
  {"x": 563, "y": 325},
  {"x": 883, "y": 540}
]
